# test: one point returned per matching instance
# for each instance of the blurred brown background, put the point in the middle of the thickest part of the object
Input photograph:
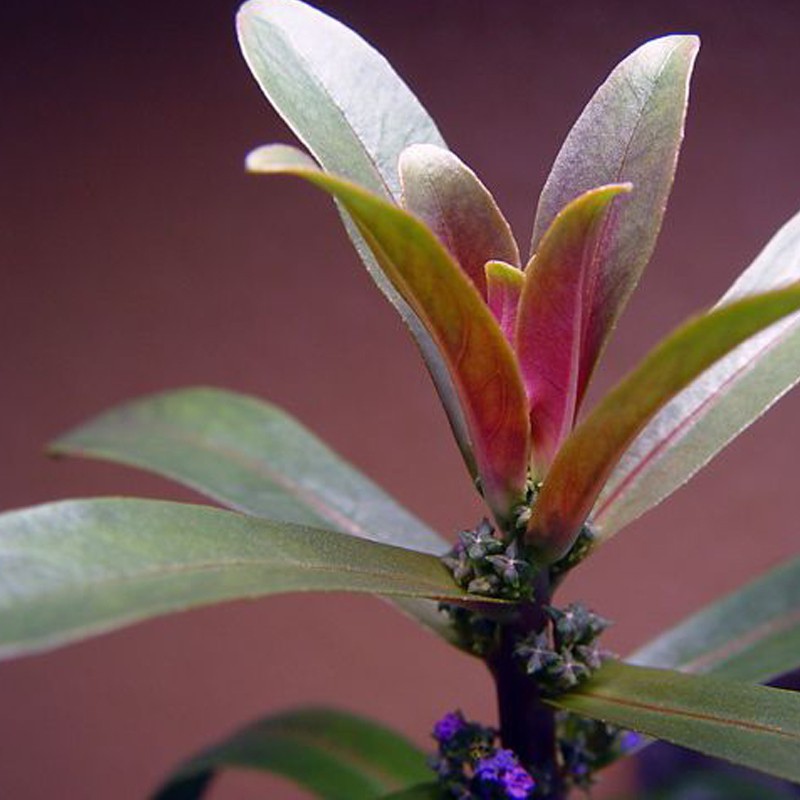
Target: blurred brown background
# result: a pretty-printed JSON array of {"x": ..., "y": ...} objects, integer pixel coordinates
[{"x": 138, "y": 256}]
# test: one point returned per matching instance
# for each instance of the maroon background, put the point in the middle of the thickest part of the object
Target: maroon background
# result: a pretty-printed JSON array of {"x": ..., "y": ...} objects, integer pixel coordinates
[{"x": 138, "y": 256}]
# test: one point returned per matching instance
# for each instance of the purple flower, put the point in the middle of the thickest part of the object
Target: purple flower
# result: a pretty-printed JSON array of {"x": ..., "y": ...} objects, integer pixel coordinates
[
  {"x": 448, "y": 726},
  {"x": 503, "y": 769},
  {"x": 630, "y": 741},
  {"x": 491, "y": 767},
  {"x": 518, "y": 784}
]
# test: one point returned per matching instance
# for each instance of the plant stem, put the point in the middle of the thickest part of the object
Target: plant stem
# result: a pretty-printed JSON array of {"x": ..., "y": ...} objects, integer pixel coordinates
[{"x": 527, "y": 724}]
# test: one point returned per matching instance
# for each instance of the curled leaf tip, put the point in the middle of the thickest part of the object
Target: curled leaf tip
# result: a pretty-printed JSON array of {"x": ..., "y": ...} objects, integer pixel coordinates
[{"x": 271, "y": 158}]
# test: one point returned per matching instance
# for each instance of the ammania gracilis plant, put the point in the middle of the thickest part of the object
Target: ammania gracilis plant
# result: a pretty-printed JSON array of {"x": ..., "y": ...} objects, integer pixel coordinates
[{"x": 511, "y": 343}]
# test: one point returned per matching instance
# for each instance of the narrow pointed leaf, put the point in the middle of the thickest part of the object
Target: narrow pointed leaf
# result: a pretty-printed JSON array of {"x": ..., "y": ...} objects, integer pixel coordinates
[
  {"x": 590, "y": 454},
  {"x": 503, "y": 287},
  {"x": 756, "y": 726},
  {"x": 693, "y": 427},
  {"x": 344, "y": 101},
  {"x": 252, "y": 457},
  {"x": 630, "y": 131},
  {"x": 255, "y": 458},
  {"x": 333, "y": 755},
  {"x": 751, "y": 635},
  {"x": 450, "y": 199},
  {"x": 555, "y": 343},
  {"x": 480, "y": 360},
  {"x": 77, "y": 568}
]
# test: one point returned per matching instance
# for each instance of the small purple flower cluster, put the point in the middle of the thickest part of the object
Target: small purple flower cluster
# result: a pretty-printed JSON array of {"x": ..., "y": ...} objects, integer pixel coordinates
[
  {"x": 504, "y": 772},
  {"x": 471, "y": 766}
]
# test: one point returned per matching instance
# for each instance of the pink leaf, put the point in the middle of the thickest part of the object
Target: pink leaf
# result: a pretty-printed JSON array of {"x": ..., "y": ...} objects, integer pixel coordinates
[
  {"x": 556, "y": 342},
  {"x": 450, "y": 199}
]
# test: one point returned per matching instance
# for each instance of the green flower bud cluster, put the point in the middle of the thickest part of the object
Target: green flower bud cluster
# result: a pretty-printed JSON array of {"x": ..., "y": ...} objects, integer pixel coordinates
[
  {"x": 566, "y": 652},
  {"x": 583, "y": 545},
  {"x": 474, "y": 633},
  {"x": 484, "y": 563}
]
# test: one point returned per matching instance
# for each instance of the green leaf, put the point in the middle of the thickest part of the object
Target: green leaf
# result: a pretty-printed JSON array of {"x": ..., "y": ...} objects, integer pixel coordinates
[
  {"x": 450, "y": 199},
  {"x": 425, "y": 791},
  {"x": 254, "y": 457},
  {"x": 335, "y": 756},
  {"x": 339, "y": 95},
  {"x": 589, "y": 455},
  {"x": 480, "y": 360},
  {"x": 348, "y": 106},
  {"x": 555, "y": 343},
  {"x": 693, "y": 427},
  {"x": 751, "y": 635},
  {"x": 250, "y": 456},
  {"x": 630, "y": 131},
  {"x": 77, "y": 568},
  {"x": 756, "y": 726}
]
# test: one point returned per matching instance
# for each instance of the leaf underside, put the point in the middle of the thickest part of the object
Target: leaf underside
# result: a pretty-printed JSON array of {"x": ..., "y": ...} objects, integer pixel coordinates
[{"x": 630, "y": 131}]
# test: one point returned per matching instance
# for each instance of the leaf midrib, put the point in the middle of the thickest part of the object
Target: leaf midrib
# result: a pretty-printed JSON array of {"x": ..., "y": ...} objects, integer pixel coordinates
[
  {"x": 661, "y": 710},
  {"x": 211, "y": 567},
  {"x": 640, "y": 114}
]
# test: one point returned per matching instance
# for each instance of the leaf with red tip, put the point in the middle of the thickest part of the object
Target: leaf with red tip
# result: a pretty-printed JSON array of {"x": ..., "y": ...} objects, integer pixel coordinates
[
  {"x": 503, "y": 289},
  {"x": 555, "y": 342},
  {"x": 692, "y": 428},
  {"x": 480, "y": 360},
  {"x": 631, "y": 130},
  {"x": 589, "y": 455},
  {"x": 450, "y": 199}
]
